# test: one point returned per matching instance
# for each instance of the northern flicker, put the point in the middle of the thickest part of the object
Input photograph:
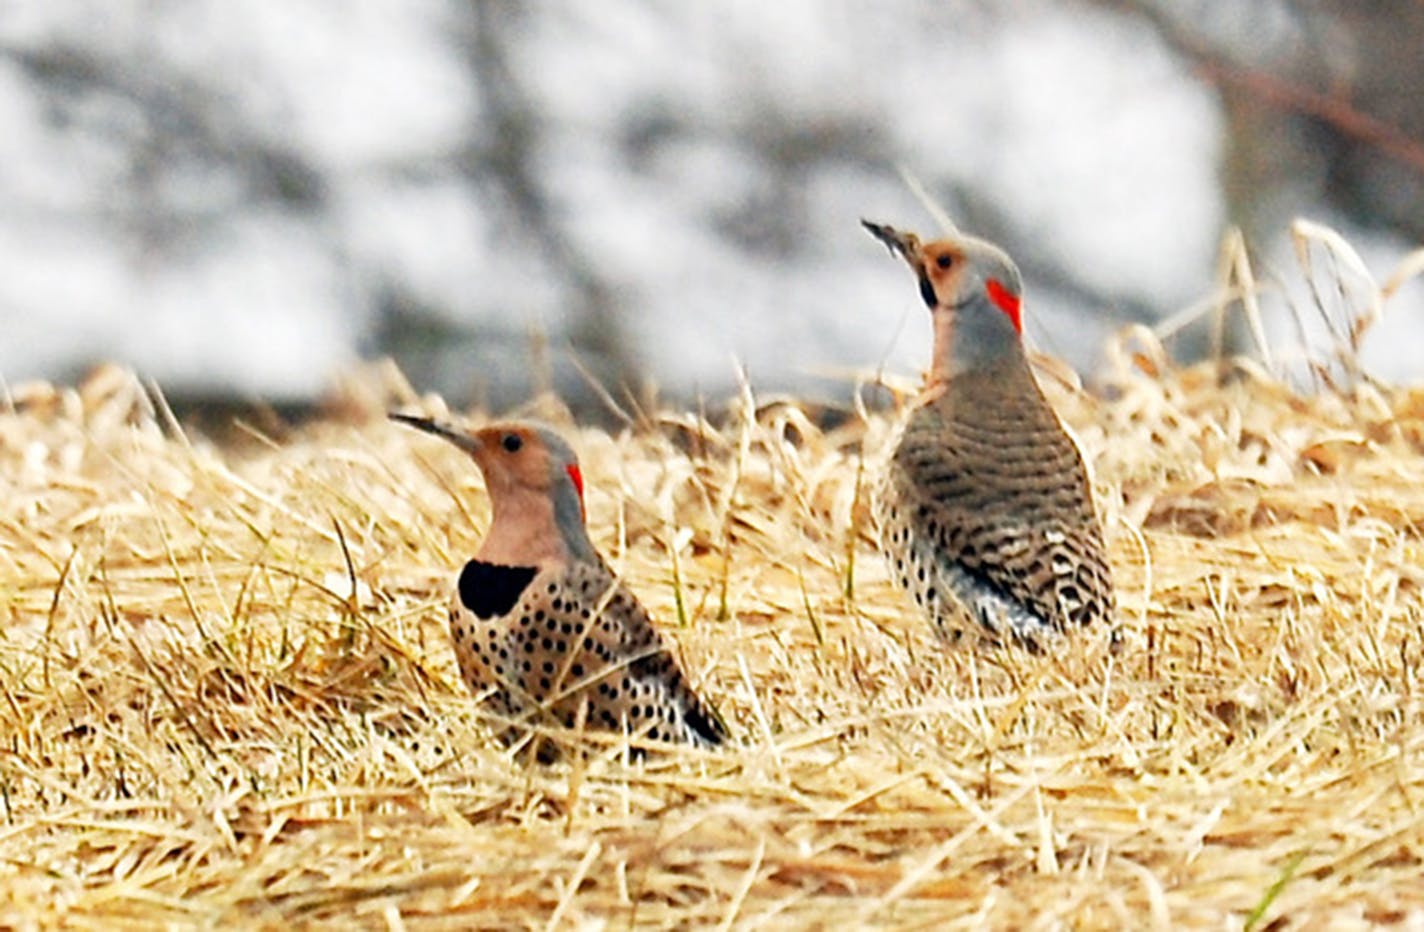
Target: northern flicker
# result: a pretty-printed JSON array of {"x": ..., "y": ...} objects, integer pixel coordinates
[
  {"x": 539, "y": 622},
  {"x": 985, "y": 512}
]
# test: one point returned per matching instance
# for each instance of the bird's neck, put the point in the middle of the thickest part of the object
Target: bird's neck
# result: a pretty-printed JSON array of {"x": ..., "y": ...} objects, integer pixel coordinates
[
  {"x": 527, "y": 528},
  {"x": 977, "y": 337}
]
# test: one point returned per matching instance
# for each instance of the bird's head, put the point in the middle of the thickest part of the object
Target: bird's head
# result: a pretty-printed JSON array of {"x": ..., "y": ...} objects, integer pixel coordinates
[
  {"x": 972, "y": 288},
  {"x": 531, "y": 472}
]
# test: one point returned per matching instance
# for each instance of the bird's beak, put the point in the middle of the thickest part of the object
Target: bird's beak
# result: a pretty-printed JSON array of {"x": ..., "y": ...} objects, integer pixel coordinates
[
  {"x": 440, "y": 429},
  {"x": 905, "y": 245}
]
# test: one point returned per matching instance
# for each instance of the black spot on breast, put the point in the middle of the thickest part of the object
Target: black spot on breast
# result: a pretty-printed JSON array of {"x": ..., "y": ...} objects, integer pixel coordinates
[{"x": 490, "y": 590}]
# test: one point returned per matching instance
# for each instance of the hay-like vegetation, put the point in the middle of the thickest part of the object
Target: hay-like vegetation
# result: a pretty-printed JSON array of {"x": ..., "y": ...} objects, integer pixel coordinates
[{"x": 229, "y": 696}]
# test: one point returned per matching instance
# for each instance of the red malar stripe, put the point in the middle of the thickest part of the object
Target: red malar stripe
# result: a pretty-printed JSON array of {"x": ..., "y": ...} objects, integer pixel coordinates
[
  {"x": 1006, "y": 301},
  {"x": 576, "y": 477}
]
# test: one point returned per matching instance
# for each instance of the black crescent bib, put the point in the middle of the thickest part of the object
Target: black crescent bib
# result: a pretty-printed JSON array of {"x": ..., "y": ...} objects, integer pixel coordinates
[{"x": 491, "y": 590}]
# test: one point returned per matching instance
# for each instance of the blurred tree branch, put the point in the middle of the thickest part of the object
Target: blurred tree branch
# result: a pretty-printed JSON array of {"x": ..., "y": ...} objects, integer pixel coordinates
[{"x": 1333, "y": 108}]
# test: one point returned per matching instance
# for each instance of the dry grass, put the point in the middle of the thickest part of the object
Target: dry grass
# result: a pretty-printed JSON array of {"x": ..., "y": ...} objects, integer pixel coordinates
[{"x": 206, "y": 723}]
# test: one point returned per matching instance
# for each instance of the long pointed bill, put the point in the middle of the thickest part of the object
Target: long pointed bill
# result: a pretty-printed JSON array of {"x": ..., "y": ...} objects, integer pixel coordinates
[
  {"x": 440, "y": 429},
  {"x": 904, "y": 245},
  {"x": 907, "y": 247}
]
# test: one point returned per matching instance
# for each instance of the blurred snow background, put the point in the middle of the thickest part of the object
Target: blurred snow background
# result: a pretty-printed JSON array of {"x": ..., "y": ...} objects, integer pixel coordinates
[{"x": 242, "y": 199}]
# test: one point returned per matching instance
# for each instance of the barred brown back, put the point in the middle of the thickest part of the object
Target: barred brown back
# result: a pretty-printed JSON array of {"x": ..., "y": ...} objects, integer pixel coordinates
[{"x": 989, "y": 499}]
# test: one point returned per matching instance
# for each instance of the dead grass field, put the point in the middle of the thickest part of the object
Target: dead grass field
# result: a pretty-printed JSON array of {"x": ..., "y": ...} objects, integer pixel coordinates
[{"x": 204, "y": 722}]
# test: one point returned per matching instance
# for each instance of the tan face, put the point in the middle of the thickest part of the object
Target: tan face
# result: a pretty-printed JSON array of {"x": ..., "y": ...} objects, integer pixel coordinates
[
  {"x": 517, "y": 456},
  {"x": 535, "y": 489},
  {"x": 511, "y": 455},
  {"x": 940, "y": 266},
  {"x": 521, "y": 456}
]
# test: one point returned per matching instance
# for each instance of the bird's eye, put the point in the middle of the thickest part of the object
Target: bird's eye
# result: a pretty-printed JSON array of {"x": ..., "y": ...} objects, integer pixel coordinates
[
  {"x": 511, "y": 442},
  {"x": 944, "y": 260}
]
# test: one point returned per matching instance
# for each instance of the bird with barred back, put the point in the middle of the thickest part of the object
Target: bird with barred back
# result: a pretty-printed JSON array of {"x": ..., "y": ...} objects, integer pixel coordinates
[
  {"x": 539, "y": 622},
  {"x": 985, "y": 512}
]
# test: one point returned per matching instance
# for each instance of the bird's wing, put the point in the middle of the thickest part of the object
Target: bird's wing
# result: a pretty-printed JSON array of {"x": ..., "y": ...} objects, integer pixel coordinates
[
  {"x": 1022, "y": 522},
  {"x": 614, "y": 658}
]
